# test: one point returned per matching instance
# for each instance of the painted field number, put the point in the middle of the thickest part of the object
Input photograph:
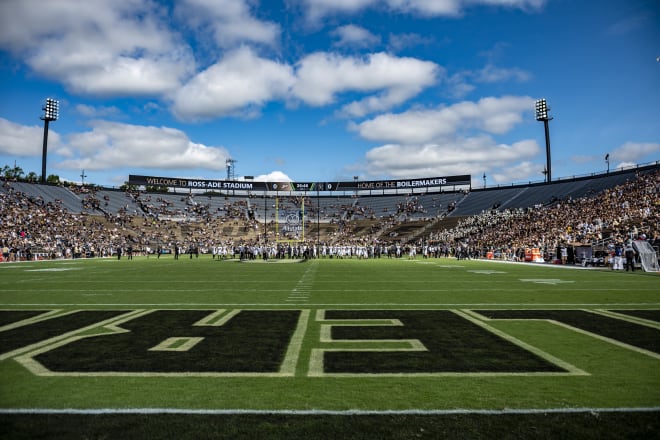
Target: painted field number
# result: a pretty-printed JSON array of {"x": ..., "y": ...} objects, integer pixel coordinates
[{"x": 289, "y": 342}]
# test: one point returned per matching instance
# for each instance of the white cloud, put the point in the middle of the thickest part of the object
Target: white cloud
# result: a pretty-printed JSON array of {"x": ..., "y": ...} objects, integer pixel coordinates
[
  {"x": 632, "y": 23},
  {"x": 627, "y": 155},
  {"x": 321, "y": 76},
  {"x": 351, "y": 35},
  {"x": 517, "y": 172},
  {"x": 491, "y": 115},
  {"x": 633, "y": 152},
  {"x": 455, "y": 139},
  {"x": 230, "y": 21},
  {"x": 376, "y": 103},
  {"x": 459, "y": 84},
  {"x": 96, "y": 112},
  {"x": 24, "y": 140},
  {"x": 317, "y": 9},
  {"x": 273, "y": 176},
  {"x": 463, "y": 155},
  {"x": 491, "y": 74},
  {"x": 114, "y": 145},
  {"x": 427, "y": 7},
  {"x": 240, "y": 80},
  {"x": 398, "y": 42},
  {"x": 128, "y": 48},
  {"x": 625, "y": 165},
  {"x": 100, "y": 47}
]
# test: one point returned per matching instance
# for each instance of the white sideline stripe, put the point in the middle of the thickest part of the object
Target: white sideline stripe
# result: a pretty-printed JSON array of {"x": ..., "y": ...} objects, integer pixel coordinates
[
  {"x": 655, "y": 304},
  {"x": 321, "y": 412}
]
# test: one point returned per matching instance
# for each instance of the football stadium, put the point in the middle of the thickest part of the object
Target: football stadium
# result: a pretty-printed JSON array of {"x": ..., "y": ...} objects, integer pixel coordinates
[
  {"x": 384, "y": 309},
  {"x": 446, "y": 223}
]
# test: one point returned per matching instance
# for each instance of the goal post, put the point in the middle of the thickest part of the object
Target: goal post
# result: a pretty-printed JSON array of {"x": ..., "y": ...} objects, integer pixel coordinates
[
  {"x": 647, "y": 255},
  {"x": 289, "y": 221}
]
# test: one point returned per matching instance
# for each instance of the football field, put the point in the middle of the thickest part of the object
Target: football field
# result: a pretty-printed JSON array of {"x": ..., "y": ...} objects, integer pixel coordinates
[{"x": 244, "y": 347}]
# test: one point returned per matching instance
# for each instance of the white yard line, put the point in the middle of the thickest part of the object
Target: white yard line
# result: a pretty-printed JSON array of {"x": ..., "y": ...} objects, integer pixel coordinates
[
  {"x": 463, "y": 305},
  {"x": 321, "y": 412}
]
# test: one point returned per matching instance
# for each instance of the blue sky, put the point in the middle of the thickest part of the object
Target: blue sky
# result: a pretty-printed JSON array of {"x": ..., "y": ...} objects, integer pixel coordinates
[{"x": 324, "y": 90}]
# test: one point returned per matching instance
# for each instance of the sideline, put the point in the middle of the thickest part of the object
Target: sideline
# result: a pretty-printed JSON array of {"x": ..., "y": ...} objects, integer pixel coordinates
[
  {"x": 220, "y": 305},
  {"x": 322, "y": 412},
  {"x": 544, "y": 264}
]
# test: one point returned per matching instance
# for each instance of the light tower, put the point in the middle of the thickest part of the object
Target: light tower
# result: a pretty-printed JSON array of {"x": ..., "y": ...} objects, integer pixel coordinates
[
  {"x": 607, "y": 159},
  {"x": 51, "y": 113},
  {"x": 542, "y": 115},
  {"x": 231, "y": 169}
]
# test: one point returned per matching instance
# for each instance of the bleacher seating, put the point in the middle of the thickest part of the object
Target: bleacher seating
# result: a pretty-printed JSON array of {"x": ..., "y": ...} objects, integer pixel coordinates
[
  {"x": 477, "y": 201},
  {"x": 51, "y": 194},
  {"x": 481, "y": 217},
  {"x": 332, "y": 208},
  {"x": 113, "y": 202}
]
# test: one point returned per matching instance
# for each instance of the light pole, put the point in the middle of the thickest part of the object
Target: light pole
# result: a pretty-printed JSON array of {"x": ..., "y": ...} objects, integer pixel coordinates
[
  {"x": 231, "y": 168},
  {"x": 542, "y": 115},
  {"x": 265, "y": 219},
  {"x": 51, "y": 113},
  {"x": 484, "y": 176},
  {"x": 82, "y": 176},
  {"x": 607, "y": 159}
]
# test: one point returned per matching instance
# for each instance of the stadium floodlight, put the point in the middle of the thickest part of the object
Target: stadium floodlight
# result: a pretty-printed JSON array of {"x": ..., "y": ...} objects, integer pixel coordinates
[
  {"x": 607, "y": 159},
  {"x": 231, "y": 168},
  {"x": 51, "y": 112},
  {"x": 542, "y": 110}
]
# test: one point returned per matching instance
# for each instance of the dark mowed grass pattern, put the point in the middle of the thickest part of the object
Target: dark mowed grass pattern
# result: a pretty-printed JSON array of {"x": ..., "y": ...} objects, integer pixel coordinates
[
  {"x": 601, "y": 425},
  {"x": 451, "y": 344},
  {"x": 253, "y": 341}
]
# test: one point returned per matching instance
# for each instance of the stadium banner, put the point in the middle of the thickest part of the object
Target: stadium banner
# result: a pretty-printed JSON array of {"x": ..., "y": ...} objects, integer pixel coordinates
[
  {"x": 248, "y": 185},
  {"x": 289, "y": 222},
  {"x": 426, "y": 182}
]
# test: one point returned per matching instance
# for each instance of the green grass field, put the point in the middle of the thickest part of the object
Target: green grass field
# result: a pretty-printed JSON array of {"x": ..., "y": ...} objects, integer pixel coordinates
[{"x": 253, "y": 348}]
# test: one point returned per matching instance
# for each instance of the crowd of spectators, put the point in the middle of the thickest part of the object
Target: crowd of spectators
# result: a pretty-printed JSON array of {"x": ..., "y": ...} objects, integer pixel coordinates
[
  {"x": 627, "y": 211},
  {"x": 31, "y": 227},
  {"x": 410, "y": 206}
]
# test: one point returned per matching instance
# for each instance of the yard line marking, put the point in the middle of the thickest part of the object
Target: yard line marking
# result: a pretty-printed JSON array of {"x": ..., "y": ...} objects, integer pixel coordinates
[
  {"x": 553, "y": 281},
  {"x": 462, "y": 305},
  {"x": 313, "y": 412},
  {"x": 52, "y": 269},
  {"x": 303, "y": 288},
  {"x": 362, "y": 290}
]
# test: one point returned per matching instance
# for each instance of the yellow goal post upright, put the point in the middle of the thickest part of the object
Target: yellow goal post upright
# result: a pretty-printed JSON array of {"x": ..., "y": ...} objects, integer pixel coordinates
[{"x": 289, "y": 222}]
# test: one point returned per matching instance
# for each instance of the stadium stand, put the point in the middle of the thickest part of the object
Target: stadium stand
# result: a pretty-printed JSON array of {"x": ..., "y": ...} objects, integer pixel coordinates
[
  {"x": 600, "y": 220},
  {"x": 50, "y": 194},
  {"x": 115, "y": 202},
  {"x": 598, "y": 211},
  {"x": 479, "y": 201}
]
